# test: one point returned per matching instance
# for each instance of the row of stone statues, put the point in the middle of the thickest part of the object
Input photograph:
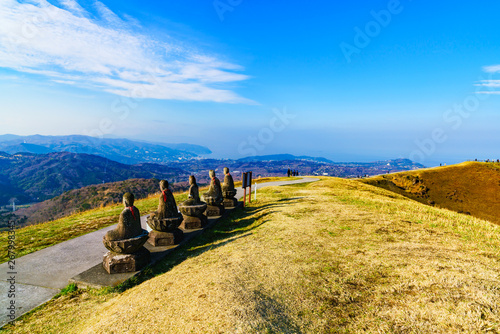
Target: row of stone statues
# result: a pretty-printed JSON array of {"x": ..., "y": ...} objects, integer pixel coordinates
[{"x": 126, "y": 242}]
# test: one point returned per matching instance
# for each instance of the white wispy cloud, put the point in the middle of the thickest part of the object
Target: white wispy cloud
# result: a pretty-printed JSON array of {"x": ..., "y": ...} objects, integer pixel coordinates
[
  {"x": 490, "y": 86},
  {"x": 489, "y": 83},
  {"x": 74, "y": 7},
  {"x": 99, "y": 50},
  {"x": 489, "y": 92},
  {"x": 492, "y": 68}
]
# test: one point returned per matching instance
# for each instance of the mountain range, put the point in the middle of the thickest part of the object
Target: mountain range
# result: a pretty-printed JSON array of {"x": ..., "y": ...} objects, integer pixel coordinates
[
  {"x": 284, "y": 157},
  {"x": 31, "y": 177},
  {"x": 121, "y": 150},
  {"x": 37, "y": 177}
]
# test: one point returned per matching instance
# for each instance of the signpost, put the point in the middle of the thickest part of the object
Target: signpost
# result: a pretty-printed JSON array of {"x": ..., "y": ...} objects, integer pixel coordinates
[
  {"x": 244, "y": 186},
  {"x": 249, "y": 176},
  {"x": 246, "y": 180}
]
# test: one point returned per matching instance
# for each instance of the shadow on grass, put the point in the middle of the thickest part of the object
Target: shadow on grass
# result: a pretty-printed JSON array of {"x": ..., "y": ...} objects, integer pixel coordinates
[
  {"x": 290, "y": 199},
  {"x": 274, "y": 315},
  {"x": 297, "y": 185},
  {"x": 230, "y": 228}
]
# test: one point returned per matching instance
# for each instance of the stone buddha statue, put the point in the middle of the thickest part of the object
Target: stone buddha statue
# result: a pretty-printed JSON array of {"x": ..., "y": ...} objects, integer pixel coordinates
[
  {"x": 194, "y": 194},
  {"x": 164, "y": 223},
  {"x": 213, "y": 197},
  {"x": 228, "y": 184},
  {"x": 214, "y": 194},
  {"x": 192, "y": 209},
  {"x": 126, "y": 242},
  {"x": 228, "y": 191},
  {"x": 167, "y": 207},
  {"x": 129, "y": 224}
]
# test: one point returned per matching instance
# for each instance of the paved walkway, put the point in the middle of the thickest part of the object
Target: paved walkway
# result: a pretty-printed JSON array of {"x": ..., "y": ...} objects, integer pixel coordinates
[{"x": 41, "y": 275}]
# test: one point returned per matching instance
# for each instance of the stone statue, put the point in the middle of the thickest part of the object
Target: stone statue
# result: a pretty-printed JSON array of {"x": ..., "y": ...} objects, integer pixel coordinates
[
  {"x": 167, "y": 207},
  {"x": 214, "y": 193},
  {"x": 213, "y": 197},
  {"x": 193, "y": 208},
  {"x": 194, "y": 194},
  {"x": 126, "y": 242},
  {"x": 129, "y": 224},
  {"x": 228, "y": 191},
  {"x": 165, "y": 222},
  {"x": 228, "y": 184}
]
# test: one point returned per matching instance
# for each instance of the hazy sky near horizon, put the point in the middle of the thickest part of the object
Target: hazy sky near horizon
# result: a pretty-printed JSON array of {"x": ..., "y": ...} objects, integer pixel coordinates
[{"x": 350, "y": 81}]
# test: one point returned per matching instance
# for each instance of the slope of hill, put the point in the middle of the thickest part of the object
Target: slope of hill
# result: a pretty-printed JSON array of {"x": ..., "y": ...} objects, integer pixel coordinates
[
  {"x": 470, "y": 187},
  {"x": 335, "y": 256},
  {"x": 120, "y": 150},
  {"x": 8, "y": 137},
  {"x": 28, "y": 148},
  {"x": 191, "y": 148}
]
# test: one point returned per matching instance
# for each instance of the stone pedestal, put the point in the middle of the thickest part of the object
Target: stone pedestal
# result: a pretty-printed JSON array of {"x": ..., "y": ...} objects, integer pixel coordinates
[
  {"x": 126, "y": 246},
  {"x": 165, "y": 232},
  {"x": 193, "y": 216},
  {"x": 190, "y": 223},
  {"x": 158, "y": 238},
  {"x": 230, "y": 202},
  {"x": 126, "y": 255},
  {"x": 214, "y": 210},
  {"x": 115, "y": 263}
]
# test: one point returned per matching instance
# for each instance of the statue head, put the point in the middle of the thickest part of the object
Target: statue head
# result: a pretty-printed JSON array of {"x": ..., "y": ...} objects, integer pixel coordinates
[
  {"x": 211, "y": 173},
  {"x": 192, "y": 180},
  {"x": 226, "y": 170},
  {"x": 128, "y": 199},
  {"x": 163, "y": 185}
]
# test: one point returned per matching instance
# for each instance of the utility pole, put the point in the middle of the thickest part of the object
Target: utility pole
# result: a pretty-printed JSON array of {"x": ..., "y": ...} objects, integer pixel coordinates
[{"x": 13, "y": 202}]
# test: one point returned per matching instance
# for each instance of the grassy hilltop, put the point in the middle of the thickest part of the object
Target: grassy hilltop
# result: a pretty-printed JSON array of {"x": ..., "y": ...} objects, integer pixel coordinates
[
  {"x": 470, "y": 187},
  {"x": 334, "y": 256}
]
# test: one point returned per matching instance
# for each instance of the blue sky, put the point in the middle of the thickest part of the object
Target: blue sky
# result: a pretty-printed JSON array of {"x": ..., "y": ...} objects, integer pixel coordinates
[{"x": 350, "y": 81}]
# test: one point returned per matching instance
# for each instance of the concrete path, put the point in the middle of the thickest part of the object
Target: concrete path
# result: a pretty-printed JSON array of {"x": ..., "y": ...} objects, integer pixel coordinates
[{"x": 41, "y": 275}]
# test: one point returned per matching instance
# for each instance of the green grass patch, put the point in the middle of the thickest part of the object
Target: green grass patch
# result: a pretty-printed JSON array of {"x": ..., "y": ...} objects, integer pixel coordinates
[{"x": 68, "y": 290}]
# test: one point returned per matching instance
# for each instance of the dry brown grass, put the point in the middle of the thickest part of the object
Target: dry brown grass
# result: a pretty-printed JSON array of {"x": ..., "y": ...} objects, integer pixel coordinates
[
  {"x": 469, "y": 187},
  {"x": 335, "y": 256}
]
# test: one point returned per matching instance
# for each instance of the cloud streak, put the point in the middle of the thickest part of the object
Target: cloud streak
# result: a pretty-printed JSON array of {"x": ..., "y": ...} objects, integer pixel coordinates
[
  {"x": 490, "y": 85},
  {"x": 492, "y": 69},
  {"x": 99, "y": 50}
]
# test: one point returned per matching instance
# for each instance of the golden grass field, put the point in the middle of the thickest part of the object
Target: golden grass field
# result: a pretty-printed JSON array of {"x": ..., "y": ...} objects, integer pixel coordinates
[
  {"x": 469, "y": 187},
  {"x": 32, "y": 238},
  {"x": 333, "y": 256}
]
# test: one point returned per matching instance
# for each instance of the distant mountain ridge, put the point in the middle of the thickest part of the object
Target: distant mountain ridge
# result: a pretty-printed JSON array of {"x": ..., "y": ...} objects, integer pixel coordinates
[
  {"x": 121, "y": 150},
  {"x": 37, "y": 177},
  {"x": 284, "y": 157}
]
